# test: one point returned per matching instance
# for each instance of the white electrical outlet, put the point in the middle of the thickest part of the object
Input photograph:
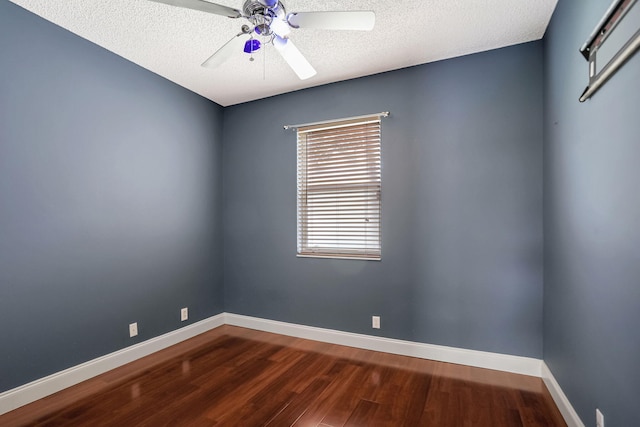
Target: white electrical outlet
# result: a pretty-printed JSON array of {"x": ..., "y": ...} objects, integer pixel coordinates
[
  {"x": 375, "y": 322},
  {"x": 184, "y": 314},
  {"x": 599, "y": 418},
  {"x": 133, "y": 329}
]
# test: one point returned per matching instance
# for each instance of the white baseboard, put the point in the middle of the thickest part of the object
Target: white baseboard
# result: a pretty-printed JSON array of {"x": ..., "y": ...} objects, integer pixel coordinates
[
  {"x": 481, "y": 359},
  {"x": 25, "y": 394},
  {"x": 19, "y": 396},
  {"x": 568, "y": 413}
]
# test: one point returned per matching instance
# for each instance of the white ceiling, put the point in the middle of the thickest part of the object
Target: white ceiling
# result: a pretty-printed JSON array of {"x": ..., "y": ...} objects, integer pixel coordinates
[{"x": 173, "y": 42}]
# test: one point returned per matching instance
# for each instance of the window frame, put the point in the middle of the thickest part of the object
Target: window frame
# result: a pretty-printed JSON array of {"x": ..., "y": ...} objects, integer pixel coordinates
[{"x": 355, "y": 146}]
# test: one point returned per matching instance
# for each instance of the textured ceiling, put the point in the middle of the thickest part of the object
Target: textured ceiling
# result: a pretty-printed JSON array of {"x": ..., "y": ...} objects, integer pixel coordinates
[{"x": 173, "y": 42}]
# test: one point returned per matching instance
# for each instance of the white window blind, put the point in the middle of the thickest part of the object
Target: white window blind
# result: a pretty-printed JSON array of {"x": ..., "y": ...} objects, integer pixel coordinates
[{"x": 339, "y": 189}]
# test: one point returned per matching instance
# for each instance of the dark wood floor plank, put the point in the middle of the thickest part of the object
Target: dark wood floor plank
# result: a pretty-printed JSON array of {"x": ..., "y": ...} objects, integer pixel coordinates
[
  {"x": 250, "y": 388},
  {"x": 342, "y": 376},
  {"x": 363, "y": 414},
  {"x": 239, "y": 377},
  {"x": 273, "y": 393},
  {"x": 299, "y": 404},
  {"x": 338, "y": 414},
  {"x": 391, "y": 397},
  {"x": 417, "y": 390}
]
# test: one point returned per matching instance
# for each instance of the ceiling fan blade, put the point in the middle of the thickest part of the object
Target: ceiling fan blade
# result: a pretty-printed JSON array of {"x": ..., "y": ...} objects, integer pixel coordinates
[
  {"x": 231, "y": 47},
  {"x": 204, "y": 6},
  {"x": 294, "y": 58},
  {"x": 346, "y": 20}
]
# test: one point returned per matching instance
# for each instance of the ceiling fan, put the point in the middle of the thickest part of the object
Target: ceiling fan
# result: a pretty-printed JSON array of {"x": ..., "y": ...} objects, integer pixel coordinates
[{"x": 269, "y": 19}]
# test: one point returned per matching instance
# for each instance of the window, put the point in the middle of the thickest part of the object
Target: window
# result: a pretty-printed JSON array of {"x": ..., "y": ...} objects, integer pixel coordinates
[{"x": 339, "y": 189}]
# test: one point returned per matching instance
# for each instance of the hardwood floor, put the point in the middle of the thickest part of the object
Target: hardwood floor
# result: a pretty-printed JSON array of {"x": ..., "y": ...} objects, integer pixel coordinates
[{"x": 239, "y": 377}]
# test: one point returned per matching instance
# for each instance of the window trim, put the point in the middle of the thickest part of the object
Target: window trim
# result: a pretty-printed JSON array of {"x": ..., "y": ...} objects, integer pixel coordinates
[{"x": 367, "y": 140}]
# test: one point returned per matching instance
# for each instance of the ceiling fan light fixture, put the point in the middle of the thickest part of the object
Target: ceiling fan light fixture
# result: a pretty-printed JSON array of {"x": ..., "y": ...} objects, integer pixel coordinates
[
  {"x": 268, "y": 3},
  {"x": 251, "y": 45},
  {"x": 280, "y": 27}
]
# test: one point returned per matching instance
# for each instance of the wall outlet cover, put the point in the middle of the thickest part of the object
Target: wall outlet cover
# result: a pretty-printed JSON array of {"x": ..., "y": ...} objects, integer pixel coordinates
[
  {"x": 375, "y": 322},
  {"x": 133, "y": 329},
  {"x": 184, "y": 314}
]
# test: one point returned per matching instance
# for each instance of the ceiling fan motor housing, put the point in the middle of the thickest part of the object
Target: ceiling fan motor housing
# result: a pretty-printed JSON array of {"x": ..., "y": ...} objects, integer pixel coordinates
[{"x": 261, "y": 13}]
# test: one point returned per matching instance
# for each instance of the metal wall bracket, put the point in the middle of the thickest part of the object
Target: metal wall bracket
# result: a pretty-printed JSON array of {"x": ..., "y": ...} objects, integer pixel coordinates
[{"x": 620, "y": 29}]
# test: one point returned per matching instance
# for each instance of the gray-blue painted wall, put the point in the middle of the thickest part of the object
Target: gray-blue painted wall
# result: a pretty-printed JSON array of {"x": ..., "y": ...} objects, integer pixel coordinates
[
  {"x": 110, "y": 191},
  {"x": 592, "y": 224},
  {"x": 462, "y": 233}
]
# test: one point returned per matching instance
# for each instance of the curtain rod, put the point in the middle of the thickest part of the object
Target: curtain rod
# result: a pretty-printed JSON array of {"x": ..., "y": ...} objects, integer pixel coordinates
[{"x": 296, "y": 127}]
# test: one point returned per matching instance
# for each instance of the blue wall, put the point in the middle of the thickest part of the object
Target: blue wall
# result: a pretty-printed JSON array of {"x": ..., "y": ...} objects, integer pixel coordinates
[
  {"x": 592, "y": 224},
  {"x": 110, "y": 191},
  {"x": 462, "y": 234}
]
